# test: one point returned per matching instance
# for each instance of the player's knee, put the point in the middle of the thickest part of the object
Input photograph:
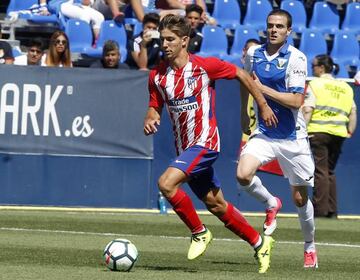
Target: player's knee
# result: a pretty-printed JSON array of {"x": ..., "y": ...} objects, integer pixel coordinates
[
  {"x": 243, "y": 178},
  {"x": 217, "y": 208},
  {"x": 165, "y": 185},
  {"x": 300, "y": 200}
]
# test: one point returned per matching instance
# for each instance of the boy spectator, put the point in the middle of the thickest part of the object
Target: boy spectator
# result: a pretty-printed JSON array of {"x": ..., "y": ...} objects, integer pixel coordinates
[
  {"x": 110, "y": 57},
  {"x": 144, "y": 48},
  {"x": 34, "y": 54},
  {"x": 193, "y": 16}
]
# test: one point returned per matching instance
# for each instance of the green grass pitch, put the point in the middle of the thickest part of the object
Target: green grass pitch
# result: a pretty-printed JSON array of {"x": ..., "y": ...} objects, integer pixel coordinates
[{"x": 69, "y": 245}]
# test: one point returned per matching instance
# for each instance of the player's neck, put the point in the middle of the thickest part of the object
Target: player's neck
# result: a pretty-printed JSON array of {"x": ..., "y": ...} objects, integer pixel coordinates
[
  {"x": 180, "y": 61},
  {"x": 272, "y": 49}
]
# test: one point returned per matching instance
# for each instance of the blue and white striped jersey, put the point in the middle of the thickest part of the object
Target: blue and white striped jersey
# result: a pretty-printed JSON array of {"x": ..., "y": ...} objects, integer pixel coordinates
[{"x": 284, "y": 72}]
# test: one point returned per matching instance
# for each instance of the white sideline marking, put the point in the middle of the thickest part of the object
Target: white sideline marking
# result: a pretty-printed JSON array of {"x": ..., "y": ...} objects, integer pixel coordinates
[{"x": 163, "y": 236}]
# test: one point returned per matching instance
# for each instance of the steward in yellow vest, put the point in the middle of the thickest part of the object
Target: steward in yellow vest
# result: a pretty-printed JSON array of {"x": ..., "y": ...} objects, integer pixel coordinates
[{"x": 334, "y": 99}]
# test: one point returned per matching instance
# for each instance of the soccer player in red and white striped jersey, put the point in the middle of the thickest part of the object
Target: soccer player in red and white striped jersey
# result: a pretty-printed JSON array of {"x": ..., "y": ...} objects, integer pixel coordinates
[{"x": 184, "y": 84}]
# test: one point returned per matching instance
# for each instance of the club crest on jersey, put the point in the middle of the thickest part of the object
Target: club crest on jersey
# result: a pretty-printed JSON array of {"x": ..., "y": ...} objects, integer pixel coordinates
[
  {"x": 281, "y": 63},
  {"x": 191, "y": 83},
  {"x": 183, "y": 105}
]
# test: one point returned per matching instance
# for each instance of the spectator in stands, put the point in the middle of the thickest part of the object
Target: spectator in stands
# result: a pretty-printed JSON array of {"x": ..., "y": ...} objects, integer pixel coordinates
[
  {"x": 114, "y": 9},
  {"x": 34, "y": 53},
  {"x": 6, "y": 55},
  {"x": 81, "y": 9},
  {"x": 144, "y": 48},
  {"x": 110, "y": 57},
  {"x": 249, "y": 43},
  {"x": 330, "y": 113},
  {"x": 58, "y": 54},
  {"x": 193, "y": 16}
]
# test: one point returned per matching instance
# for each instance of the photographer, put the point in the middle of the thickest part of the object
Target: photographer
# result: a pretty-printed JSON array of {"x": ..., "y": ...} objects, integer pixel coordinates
[{"x": 144, "y": 48}]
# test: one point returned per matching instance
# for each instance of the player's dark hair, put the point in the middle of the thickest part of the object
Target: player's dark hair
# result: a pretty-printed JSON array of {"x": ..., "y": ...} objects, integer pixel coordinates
[
  {"x": 193, "y": 8},
  {"x": 177, "y": 24},
  {"x": 151, "y": 17},
  {"x": 281, "y": 12},
  {"x": 328, "y": 63}
]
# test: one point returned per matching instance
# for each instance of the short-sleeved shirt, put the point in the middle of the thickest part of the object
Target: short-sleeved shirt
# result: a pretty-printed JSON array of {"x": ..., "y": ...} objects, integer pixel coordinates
[
  {"x": 286, "y": 73},
  {"x": 153, "y": 51},
  {"x": 5, "y": 52},
  {"x": 189, "y": 96}
]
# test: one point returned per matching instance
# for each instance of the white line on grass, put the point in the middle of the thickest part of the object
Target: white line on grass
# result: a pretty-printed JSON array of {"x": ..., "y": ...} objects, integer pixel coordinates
[{"x": 162, "y": 236}]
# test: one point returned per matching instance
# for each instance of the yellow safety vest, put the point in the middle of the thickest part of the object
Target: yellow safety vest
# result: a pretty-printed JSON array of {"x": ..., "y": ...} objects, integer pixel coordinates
[{"x": 334, "y": 99}]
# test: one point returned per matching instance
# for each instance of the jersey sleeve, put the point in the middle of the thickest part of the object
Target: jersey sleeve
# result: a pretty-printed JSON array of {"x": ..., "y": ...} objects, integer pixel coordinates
[
  {"x": 297, "y": 73},
  {"x": 219, "y": 69},
  {"x": 156, "y": 99}
]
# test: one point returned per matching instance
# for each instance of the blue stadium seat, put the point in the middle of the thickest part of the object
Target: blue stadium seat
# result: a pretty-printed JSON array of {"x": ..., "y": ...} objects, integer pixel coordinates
[
  {"x": 110, "y": 30},
  {"x": 297, "y": 10},
  {"x": 343, "y": 72},
  {"x": 25, "y": 5},
  {"x": 345, "y": 48},
  {"x": 80, "y": 35},
  {"x": 351, "y": 21},
  {"x": 227, "y": 13},
  {"x": 312, "y": 43},
  {"x": 214, "y": 42},
  {"x": 138, "y": 27},
  {"x": 325, "y": 18},
  {"x": 16, "y": 51},
  {"x": 241, "y": 35},
  {"x": 256, "y": 14}
]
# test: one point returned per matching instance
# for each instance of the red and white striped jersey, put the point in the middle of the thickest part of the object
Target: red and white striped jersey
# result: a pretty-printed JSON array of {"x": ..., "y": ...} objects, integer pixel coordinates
[{"x": 189, "y": 96}]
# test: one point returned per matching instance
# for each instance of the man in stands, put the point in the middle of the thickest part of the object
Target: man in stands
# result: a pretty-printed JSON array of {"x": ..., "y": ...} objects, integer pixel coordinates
[
  {"x": 34, "y": 54},
  {"x": 110, "y": 57}
]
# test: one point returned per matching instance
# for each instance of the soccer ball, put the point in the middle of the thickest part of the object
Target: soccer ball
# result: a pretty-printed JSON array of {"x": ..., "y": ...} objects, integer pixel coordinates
[{"x": 120, "y": 255}]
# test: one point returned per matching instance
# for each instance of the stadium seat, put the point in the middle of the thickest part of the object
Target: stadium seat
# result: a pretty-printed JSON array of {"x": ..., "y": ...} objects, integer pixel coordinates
[
  {"x": 26, "y": 5},
  {"x": 241, "y": 35},
  {"x": 227, "y": 13},
  {"x": 256, "y": 14},
  {"x": 312, "y": 43},
  {"x": 110, "y": 30},
  {"x": 138, "y": 27},
  {"x": 80, "y": 35},
  {"x": 345, "y": 48},
  {"x": 325, "y": 18},
  {"x": 214, "y": 42},
  {"x": 343, "y": 72},
  {"x": 290, "y": 40},
  {"x": 351, "y": 21},
  {"x": 297, "y": 10}
]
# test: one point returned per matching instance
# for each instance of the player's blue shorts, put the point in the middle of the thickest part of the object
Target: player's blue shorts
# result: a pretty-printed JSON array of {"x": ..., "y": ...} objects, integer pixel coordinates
[{"x": 196, "y": 162}]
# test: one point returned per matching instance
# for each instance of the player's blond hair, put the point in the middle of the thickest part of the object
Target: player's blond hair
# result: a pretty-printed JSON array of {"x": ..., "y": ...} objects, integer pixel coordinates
[{"x": 176, "y": 24}]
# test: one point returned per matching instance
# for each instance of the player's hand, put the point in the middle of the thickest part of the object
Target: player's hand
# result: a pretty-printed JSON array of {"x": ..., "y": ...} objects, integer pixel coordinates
[
  {"x": 150, "y": 126},
  {"x": 268, "y": 115}
]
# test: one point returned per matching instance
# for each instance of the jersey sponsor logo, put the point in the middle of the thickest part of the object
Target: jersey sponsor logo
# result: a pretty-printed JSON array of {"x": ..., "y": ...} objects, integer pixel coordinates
[
  {"x": 191, "y": 83},
  {"x": 281, "y": 63},
  {"x": 267, "y": 67},
  {"x": 183, "y": 105},
  {"x": 299, "y": 72}
]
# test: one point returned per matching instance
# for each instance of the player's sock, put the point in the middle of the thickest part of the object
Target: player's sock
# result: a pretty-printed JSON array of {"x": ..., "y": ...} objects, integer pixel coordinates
[
  {"x": 257, "y": 190},
  {"x": 306, "y": 218},
  {"x": 236, "y": 222},
  {"x": 184, "y": 208}
]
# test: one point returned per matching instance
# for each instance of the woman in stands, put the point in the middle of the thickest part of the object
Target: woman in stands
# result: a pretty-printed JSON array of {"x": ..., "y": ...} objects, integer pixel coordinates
[{"x": 58, "y": 54}]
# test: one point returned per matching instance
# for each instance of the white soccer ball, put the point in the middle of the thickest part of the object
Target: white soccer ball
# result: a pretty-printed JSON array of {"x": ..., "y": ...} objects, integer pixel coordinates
[{"x": 120, "y": 255}]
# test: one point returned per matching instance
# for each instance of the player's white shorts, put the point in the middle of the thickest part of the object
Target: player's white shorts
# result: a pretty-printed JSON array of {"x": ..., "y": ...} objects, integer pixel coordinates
[{"x": 294, "y": 157}]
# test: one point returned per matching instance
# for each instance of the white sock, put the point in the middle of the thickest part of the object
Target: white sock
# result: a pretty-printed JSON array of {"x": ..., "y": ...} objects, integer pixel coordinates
[
  {"x": 258, "y": 243},
  {"x": 257, "y": 190},
  {"x": 306, "y": 218}
]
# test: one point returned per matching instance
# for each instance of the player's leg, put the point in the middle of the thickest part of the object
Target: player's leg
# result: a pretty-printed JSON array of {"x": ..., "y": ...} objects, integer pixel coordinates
[
  {"x": 298, "y": 166},
  {"x": 256, "y": 153},
  {"x": 306, "y": 217},
  {"x": 236, "y": 222}
]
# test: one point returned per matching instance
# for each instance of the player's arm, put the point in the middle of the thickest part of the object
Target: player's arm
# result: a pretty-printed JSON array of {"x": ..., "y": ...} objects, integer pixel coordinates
[
  {"x": 250, "y": 86},
  {"x": 152, "y": 120},
  {"x": 289, "y": 99}
]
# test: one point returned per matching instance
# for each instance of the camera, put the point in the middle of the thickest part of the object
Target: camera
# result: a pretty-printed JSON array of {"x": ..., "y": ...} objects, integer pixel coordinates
[{"x": 154, "y": 34}]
